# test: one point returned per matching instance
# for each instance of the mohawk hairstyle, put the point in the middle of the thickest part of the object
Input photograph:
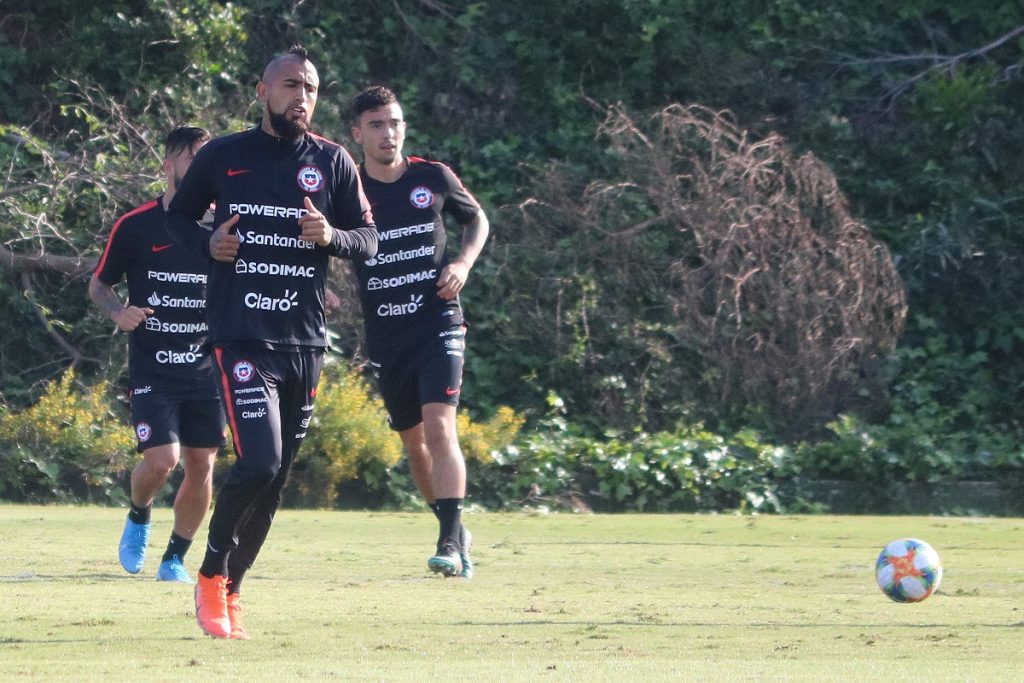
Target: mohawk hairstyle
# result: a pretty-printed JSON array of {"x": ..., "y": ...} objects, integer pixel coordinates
[{"x": 299, "y": 51}]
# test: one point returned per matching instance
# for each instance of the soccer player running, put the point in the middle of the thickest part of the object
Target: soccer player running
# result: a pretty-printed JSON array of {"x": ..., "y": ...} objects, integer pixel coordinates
[
  {"x": 414, "y": 324},
  {"x": 286, "y": 200},
  {"x": 175, "y": 405}
]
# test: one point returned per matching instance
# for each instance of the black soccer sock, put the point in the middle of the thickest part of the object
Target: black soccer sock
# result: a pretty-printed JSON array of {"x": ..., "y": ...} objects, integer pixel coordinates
[
  {"x": 437, "y": 513},
  {"x": 235, "y": 583},
  {"x": 139, "y": 515},
  {"x": 215, "y": 563},
  {"x": 177, "y": 546},
  {"x": 449, "y": 512}
]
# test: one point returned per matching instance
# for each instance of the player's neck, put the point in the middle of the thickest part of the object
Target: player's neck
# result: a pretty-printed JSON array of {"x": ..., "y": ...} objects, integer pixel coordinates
[
  {"x": 385, "y": 173},
  {"x": 168, "y": 196}
]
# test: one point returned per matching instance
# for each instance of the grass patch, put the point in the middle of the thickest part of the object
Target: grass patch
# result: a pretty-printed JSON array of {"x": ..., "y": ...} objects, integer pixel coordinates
[{"x": 346, "y": 596}]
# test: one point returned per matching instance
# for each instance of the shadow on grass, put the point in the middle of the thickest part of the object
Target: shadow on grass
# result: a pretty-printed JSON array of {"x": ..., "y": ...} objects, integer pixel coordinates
[
  {"x": 29, "y": 577},
  {"x": 593, "y": 625}
]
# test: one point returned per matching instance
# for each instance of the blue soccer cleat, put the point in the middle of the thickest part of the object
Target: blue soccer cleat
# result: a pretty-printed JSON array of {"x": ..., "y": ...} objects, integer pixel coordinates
[
  {"x": 173, "y": 570},
  {"x": 132, "y": 549},
  {"x": 446, "y": 562}
]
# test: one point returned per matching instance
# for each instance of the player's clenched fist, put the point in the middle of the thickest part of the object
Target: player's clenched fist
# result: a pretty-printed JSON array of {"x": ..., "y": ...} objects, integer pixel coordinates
[
  {"x": 130, "y": 317},
  {"x": 452, "y": 279},
  {"x": 224, "y": 242},
  {"x": 314, "y": 225}
]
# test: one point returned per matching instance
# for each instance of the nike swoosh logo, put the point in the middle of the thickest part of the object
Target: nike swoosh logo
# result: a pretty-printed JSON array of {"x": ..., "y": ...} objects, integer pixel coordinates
[
  {"x": 452, "y": 392},
  {"x": 161, "y": 247},
  {"x": 232, "y": 172}
]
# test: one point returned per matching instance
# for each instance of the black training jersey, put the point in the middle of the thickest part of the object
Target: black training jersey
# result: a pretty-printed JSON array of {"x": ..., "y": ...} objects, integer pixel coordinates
[
  {"x": 167, "y": 349},
  {"x": 399, "y": 284},
  {"x": 272, "y": 296}
]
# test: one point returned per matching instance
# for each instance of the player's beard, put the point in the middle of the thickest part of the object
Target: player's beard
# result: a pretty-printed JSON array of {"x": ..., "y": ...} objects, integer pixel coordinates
[
  {"x": 289, "y": 129},
  {"x": 388, "y": 157}
]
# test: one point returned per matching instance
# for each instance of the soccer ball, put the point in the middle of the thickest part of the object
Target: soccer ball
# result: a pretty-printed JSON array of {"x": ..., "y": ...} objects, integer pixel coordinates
[{"x": 908, "y": 570}]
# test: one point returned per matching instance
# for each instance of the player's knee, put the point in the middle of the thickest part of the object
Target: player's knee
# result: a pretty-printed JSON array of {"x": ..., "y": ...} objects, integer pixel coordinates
[
  {"x": 260, "y": 475},
  {"x": 443, "y": 445},
  {"x": 198, "y": 467},
  {"x": 418, "y": 455},
  {"x": 438, "y": 432},
  {"x": 160, "y": 462}
]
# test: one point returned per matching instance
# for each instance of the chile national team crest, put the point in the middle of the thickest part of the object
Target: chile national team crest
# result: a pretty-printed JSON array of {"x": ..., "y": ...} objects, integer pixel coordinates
[
  {"x": 143, "y": 431},
  {"x": 243, "y": 371},
  {"x": 421, "y": 197},
  {"x": 311, "y": 178}
]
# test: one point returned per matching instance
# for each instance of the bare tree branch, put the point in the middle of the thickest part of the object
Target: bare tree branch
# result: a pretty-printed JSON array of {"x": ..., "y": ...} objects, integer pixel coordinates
[
  {"x": 785, "y": 299},
  {"x": 19, "y": 189},
  {"x": 23, "y": 263},
  {"x": 937, "y": 62},
  {"x": 75, "y": 355}
]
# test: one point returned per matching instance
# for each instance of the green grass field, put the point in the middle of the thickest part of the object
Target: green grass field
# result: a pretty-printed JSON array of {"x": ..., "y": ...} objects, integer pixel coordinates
[{"x": 346, "y": 597}]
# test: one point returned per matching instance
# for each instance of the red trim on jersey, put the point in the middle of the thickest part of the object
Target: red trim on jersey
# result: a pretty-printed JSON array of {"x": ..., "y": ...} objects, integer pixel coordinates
[
  {"x": 229, "y": 406},
  {"x": 137, "y": 210},
  {"x": 421, "y": 160}
]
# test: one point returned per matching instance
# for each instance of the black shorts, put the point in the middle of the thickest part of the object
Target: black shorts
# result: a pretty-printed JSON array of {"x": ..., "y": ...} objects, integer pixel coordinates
[
  {"x": 166, "y": 417},
  {"x": 422, "y": 369}
]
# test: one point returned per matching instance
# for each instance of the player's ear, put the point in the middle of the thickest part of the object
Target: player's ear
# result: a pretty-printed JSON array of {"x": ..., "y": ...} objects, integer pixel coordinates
[
  {"x": 357, "y": 135},
  {"x": 261, "y": 91}
]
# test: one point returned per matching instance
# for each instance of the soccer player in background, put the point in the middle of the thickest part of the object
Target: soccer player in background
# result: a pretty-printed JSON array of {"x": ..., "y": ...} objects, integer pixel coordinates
[
  {"x": 286, "y": 201},
  {"x": 414, "y": 323},
  {"x": 176, "y": 410}
]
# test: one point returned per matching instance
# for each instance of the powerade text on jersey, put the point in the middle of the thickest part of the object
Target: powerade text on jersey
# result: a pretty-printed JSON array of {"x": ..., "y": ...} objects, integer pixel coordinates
[
  {"x": 399, "y": 284},
  {"x": 272, "y": 295}
]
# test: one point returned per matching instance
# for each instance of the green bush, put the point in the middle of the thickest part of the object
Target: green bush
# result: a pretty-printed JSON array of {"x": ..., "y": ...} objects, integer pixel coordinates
[
  {"x": 386, "y": 482},
  {"x": 938, "y": 426},
  {"x": 69, "y": 446},
  {"x": 908, "y": 448},
  {"x": 481, "y": 440},
  {"x": 689, "y": 469}
]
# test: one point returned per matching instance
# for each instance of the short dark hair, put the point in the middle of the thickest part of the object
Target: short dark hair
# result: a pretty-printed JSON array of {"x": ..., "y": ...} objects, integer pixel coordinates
[
  {"x": 374, "y": 97},
  {"x": 183, "y": 138}
]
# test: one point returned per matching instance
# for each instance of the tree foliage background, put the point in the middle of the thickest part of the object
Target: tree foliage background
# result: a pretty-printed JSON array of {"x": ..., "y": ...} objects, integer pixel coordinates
[{"x": 914, "y": 108}]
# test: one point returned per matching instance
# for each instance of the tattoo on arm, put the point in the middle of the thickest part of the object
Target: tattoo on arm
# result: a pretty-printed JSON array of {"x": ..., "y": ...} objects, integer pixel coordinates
[{"x": 105, "y": 297}]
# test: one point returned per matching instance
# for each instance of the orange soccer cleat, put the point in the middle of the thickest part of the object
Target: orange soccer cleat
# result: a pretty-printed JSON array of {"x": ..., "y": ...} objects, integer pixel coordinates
[
  {"x": 238, "y": 631},
  {"x": 212, "y": 606}
]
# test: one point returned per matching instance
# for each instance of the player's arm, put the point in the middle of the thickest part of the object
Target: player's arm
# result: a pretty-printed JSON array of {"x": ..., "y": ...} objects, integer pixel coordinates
[
  {"x": 107, "y": 300},
  {"x": 474, "y": 235},
  {"x": 357, "y": 243},
  {"x": 464, "y": 208},
  {"x": 356, "y": 238},
  {"x": 190, "y": 203}
]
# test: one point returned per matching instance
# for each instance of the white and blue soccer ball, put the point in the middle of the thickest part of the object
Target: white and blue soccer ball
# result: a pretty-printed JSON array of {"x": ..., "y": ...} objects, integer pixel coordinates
[{"x": 908, "y": 570}]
